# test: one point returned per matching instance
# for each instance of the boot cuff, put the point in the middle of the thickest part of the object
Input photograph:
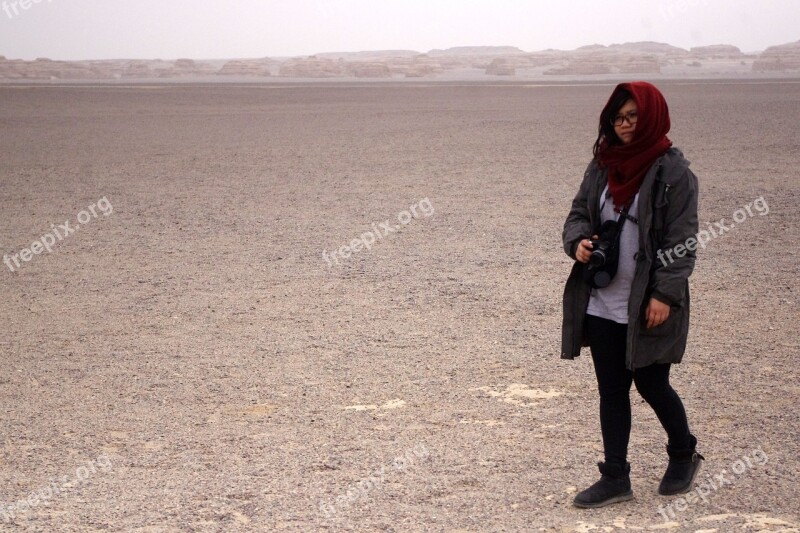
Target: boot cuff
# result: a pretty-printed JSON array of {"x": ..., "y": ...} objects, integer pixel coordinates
[
  {"x": 614, "y": 470},
  {"x": 684, "y": 454}
]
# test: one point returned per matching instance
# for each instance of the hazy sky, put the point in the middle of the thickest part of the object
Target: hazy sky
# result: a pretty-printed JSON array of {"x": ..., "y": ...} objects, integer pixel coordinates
[{"x": 206, "y": 29}]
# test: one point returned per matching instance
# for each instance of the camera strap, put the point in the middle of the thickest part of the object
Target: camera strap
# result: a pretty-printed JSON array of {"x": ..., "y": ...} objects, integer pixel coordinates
[
  {"x": 623, "y": 213},
  {"x": 623, "y": 216}
]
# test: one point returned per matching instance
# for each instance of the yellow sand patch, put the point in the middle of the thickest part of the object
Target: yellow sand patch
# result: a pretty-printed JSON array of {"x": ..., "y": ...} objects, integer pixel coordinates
[
  {"x": 585, "y": 527},
  {"x": 490, "y": 423},
  {"x": 519, "y": 394},
  {"x": 391, "y": 404},
  {"x": 239, "y": 517},
  {"x": 665, "y": 525},
  {"x": 361, "y": 407},
  {"x": 715, "y": 517},
  {"x": 761, "y": 521}
]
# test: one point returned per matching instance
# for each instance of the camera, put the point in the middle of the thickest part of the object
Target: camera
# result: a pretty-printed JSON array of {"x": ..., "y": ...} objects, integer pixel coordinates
[
  {"x": 603, "y": 247},
  {"x": 602, "y": 265}
]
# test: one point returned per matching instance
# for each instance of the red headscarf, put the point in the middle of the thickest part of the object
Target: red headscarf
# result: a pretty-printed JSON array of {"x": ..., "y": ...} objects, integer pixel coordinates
[{"x": 628, "y": 163}]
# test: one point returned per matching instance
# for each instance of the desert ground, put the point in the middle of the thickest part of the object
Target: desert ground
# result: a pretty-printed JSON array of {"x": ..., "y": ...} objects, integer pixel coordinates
[{"x": 188, "y": 357}]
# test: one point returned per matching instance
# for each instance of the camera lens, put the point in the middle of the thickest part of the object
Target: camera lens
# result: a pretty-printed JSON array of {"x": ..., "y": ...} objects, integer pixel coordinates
[
  {"x": 602, "y": 279},
  {"x": 597, "y": 259}
]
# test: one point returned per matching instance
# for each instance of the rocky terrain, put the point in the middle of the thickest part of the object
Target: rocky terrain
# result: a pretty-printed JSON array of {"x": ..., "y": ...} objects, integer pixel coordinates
[
  {"x": 190, "y": 362},
  {"x": 243, "y": 67},
  {"x": 642, "y": 58},
  {"x": 783, "y": 58}
]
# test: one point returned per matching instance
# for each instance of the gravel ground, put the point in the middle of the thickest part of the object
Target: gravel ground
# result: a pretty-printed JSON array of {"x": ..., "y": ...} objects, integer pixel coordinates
[{"x": 187, "y": 359}]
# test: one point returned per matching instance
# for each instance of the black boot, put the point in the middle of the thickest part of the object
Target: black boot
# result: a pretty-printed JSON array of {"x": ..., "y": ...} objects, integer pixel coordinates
[
  {"x": 684, "y": 465},
  {"x": 614, "y": 486}
]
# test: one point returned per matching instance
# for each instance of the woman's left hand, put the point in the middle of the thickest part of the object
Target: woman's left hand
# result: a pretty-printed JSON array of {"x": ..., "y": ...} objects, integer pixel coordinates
[{"x": 656, "y": 313}]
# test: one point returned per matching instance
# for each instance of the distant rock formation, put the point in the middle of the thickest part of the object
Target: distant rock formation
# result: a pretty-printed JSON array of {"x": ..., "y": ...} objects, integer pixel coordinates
[
  {"x": 11, "y": 69},
  {"x": 419, "y": 66},
  {"x": 591, "y": 48},
  {"x": 649, "y": 47},
  {"x": 369, "y": 69},
  {"x": 180, "y": 68},
  {"x": 781, "y": 58},
  {"x": 717, "y": 51},
  {"x": 501, "y": 66},
  {"x": 245, "y": 67},
  {"x": 46, "y": 69},
  {"x": 185, "y": 64},
  {"x": 421, "y": 71},
  {"x": 640, "y": 65},
  {"x": 313, "y": 67},
  {"x": 545, "y": 58},
  {"x": 464, "y": 61},
  {"x": 137, "y": 69},
  {"x": 629, "y": 58},
  {"x": 477, "y": 51},
  {"x": 370, "y": 55},
  {"x": 184, "y": 68},
  {"x": 316, "y": 67},
  {"x": 579, "y": 68}
]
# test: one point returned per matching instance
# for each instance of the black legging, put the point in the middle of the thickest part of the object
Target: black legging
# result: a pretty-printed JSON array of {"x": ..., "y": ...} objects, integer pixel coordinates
[{"x": 607, "y": 340}]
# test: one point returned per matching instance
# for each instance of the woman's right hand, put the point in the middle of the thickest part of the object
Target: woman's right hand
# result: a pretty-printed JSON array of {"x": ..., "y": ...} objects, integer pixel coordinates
[{"x": 584, "y": 251}]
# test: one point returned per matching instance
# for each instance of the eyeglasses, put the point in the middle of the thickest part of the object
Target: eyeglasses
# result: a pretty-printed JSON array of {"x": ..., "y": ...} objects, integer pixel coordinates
[{"x": 630, "y": 116}]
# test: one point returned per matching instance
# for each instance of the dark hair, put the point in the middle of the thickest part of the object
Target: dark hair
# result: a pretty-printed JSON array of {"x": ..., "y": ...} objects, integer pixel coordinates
[{"x": 605, "y": 131}]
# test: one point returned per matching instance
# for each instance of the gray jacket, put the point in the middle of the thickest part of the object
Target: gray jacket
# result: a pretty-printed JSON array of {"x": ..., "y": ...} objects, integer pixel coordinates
[{"x": 667, "y": 216}]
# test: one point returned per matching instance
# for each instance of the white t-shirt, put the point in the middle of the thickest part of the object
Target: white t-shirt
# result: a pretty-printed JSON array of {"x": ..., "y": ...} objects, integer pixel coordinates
[{"x": 612, "y": 302}]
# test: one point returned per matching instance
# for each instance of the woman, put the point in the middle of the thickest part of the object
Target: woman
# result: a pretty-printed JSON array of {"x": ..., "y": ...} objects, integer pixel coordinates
[{"x": 627, "y": 297}]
